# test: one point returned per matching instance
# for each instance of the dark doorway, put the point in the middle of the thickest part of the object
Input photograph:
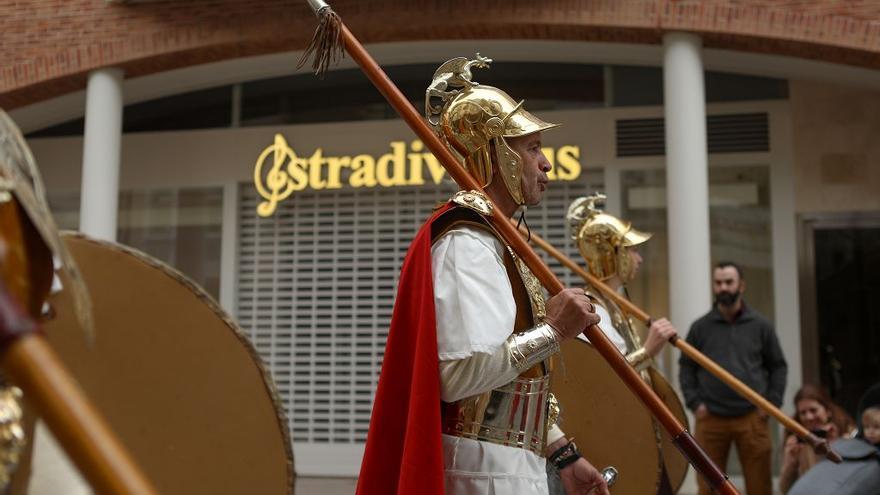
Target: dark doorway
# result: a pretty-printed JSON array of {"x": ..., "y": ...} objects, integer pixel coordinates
[{"x": 846, "y": 308}]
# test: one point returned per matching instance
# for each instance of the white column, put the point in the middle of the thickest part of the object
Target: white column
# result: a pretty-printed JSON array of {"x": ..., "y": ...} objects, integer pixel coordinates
[
  {"x": 229, "y": 249},
  {"x": 687, "y": 180},
  {"x": 785, "y": 266},
  {"x": 101, "y": 154}
]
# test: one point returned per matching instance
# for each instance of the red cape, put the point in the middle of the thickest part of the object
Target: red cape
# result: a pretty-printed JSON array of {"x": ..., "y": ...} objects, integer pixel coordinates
[{"x": 404, "y": 451}]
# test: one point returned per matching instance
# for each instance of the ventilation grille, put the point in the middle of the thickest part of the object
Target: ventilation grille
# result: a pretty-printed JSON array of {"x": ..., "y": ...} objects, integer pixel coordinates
[
  {"x": 316, "y": 288},
  {"x": 640, "y": 137},
  {"x": 738, "y": 133},
  {"x": 734, "y": 133}
]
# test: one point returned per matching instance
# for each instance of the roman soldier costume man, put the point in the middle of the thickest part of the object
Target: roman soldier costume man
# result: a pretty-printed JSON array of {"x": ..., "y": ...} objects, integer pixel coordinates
[
  {"x": 464, "y": 404},
  {"x": 609, "y": 246}
]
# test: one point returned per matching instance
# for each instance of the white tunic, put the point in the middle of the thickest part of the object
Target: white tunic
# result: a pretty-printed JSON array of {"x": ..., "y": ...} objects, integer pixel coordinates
[
  {"x": 609, "y": 330},
  {"x": 475, "y": 313}
]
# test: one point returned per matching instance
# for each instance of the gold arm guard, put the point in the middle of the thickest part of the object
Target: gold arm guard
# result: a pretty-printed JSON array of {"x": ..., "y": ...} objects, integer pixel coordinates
[{"x": 529, "y": 348}]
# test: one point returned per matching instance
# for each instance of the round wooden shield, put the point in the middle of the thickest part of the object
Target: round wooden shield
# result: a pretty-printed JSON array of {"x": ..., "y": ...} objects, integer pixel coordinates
[
  {"x": 174, "y": 376},
  {"x": 676, "y": 465},
  {"x": 610, "y": 425}
]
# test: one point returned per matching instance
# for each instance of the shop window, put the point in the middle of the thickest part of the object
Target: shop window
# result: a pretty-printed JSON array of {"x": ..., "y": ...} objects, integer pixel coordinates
[
  {"x": 345, "y": 95},
  {"x": 203, "y": 109},
  {"x": 181, "y": 227},
  {"x": 643, "y": 86}
]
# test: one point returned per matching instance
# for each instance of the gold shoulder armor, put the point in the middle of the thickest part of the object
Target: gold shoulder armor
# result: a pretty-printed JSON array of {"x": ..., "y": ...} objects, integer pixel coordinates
[{"x": 474, "y": 200}]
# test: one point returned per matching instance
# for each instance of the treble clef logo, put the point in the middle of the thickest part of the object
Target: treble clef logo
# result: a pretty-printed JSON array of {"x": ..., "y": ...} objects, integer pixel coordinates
[{"x": 278, "y": 185}]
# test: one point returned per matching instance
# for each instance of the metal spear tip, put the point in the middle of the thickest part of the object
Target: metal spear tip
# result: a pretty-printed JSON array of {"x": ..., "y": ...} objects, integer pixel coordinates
[
  {"x": 317, "y": 5},
  {"x": 823, "y": 448}
]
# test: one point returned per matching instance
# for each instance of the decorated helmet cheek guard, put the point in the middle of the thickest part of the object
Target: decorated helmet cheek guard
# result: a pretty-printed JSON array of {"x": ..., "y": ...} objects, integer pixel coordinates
[
  {"x": 602, "y": 238},
  {"x": 474, "y": 119},
  {"x": 510, "y": 165}
]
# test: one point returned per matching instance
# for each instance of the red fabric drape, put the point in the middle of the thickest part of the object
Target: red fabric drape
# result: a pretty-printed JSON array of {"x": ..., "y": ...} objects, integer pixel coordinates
[{"x": 404, "y": 452}]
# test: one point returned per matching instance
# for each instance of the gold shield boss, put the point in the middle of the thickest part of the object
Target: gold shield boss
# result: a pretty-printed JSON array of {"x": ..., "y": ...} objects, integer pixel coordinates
[
  {"x": 473, "y": 119},
  {"x": 602, "y": 238}
]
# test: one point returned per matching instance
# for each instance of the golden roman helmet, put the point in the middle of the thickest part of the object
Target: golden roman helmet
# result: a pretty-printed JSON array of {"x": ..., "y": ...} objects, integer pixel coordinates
[
  {"x": 601, "y": 238},
  {"x": 472, "y": 117}
]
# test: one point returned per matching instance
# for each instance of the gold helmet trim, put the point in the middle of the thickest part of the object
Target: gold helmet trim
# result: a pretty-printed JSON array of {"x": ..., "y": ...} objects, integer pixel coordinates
[
  {"x": 472, "y": 119},
  {"x": 601, "y": 237}
]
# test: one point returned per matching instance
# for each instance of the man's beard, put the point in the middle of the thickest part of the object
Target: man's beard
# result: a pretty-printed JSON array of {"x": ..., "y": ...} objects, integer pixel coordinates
[{"x": 725, "y": 298}]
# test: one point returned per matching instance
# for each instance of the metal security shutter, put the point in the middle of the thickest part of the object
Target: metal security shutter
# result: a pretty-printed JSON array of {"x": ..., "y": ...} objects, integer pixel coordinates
[
  {"x": 733, "y": 133},
  {"x": 316, "y": 288}
]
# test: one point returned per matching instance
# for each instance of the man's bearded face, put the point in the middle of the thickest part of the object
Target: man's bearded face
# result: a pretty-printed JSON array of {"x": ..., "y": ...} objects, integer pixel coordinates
[
  {"x": 726, "y": 298},
  {"x": 726, "y": 285}
]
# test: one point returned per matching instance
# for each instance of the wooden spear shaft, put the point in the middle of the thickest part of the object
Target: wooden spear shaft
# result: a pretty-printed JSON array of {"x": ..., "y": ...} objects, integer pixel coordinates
[
  {"x": 820, "y": 445},
  {"x": 30, "y": 363},
  {"x": 88, "y": 440},
  {"x": 682, "y": 438}
]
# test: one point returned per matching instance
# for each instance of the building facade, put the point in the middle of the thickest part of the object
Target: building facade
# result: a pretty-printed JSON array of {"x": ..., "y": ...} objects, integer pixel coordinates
[{"x": 732, "y": 130}]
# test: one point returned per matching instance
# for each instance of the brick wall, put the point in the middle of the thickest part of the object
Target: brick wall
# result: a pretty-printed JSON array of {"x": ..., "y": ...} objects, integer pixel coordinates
[{"x": 48, "y": 46}]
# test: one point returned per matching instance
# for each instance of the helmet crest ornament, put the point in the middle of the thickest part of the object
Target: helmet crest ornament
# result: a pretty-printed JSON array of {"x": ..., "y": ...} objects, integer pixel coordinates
[{"x": 449, "y": 79}]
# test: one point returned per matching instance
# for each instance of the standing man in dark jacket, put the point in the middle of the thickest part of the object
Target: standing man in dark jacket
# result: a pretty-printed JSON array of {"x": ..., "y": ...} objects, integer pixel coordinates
[{"x": 745, "y": 344}]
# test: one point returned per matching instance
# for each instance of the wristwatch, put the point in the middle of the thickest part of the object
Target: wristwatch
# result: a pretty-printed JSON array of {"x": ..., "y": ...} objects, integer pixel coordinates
[{"x": 565, "y": 456}]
